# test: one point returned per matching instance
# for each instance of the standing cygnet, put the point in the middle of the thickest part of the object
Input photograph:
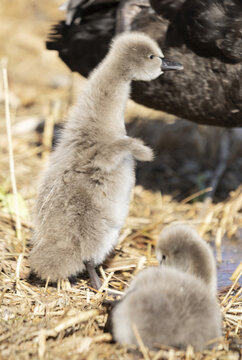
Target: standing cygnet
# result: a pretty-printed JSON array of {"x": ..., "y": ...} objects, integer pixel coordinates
[
  {"x": 168, "y": 307},
  {"x": 181, "y": 247},
  {"x": 85, "y": 193}
]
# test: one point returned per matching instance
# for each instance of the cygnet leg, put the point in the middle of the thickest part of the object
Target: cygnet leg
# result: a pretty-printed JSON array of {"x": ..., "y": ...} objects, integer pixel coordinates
[
  {"x": 73, "y": 279},
  {"x": 95, "y": 281}
]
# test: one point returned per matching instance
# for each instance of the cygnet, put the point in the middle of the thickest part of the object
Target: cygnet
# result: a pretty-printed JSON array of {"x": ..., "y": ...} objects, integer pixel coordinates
[
  {"x": 181, "y": 247},
  {"x": 85, "y": 192},
  {"x": 168, "y": 307},
  {"x": 173, "y": 305}
]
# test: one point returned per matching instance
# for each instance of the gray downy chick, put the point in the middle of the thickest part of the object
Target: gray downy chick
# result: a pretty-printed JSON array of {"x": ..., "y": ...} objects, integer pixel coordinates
[
  {"x": 181, "y": 247},
  {"x": 167, "y": 307},
  {"x": 85, "y": 192}
]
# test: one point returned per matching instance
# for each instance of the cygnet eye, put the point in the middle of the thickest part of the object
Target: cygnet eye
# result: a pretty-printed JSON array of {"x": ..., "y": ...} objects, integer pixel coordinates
[
  {"x": 163, "y": 257},
  {"x": 151, "y": 57}
]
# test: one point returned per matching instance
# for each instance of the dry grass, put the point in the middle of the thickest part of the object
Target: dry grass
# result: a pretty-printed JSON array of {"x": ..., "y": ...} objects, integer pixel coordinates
[{"x": 46, "y": 324}]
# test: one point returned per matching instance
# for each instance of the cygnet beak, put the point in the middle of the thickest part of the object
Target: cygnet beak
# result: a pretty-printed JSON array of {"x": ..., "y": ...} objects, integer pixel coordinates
[{"x": 170, "y": 65}]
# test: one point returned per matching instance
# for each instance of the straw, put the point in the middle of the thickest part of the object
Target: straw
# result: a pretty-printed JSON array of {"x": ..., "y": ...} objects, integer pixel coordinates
[{"x": 10, "y": 149}]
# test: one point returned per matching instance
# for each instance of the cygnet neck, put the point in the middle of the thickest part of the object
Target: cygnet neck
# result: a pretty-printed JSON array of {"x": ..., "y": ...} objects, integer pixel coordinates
[{"x": 109, "y": 91}]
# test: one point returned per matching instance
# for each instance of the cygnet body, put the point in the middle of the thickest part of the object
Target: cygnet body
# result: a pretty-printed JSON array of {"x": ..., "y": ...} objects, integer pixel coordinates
[
  {"x": 85, "y": 192},
  {"x": 169, "y": 306},
  {"x": 181, "y": 247}
]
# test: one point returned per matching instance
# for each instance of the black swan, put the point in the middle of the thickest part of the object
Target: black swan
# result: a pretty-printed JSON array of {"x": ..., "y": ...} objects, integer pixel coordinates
[{"x": 204, "y": 35}]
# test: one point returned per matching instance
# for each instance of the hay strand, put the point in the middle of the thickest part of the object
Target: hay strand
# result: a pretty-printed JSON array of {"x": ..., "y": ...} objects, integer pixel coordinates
[{"x": 10, "y": 148}]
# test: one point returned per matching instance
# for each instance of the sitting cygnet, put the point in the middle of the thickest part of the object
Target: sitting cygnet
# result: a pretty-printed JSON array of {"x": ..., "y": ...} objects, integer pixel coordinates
[
  {"x": 85, "y": 192},
  {"x": 169, "y": 306},
  {"x": 181, "y": 247}
]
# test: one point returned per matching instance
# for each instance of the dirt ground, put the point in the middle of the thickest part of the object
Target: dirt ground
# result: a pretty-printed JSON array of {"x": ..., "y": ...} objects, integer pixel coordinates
[{"x": 39, "y": 323}]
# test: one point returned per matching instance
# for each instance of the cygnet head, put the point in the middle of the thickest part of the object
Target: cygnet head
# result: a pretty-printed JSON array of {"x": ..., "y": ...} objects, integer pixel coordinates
[
  {"x": 138, "y": 57},
  {"x": 181, "y": 247}
]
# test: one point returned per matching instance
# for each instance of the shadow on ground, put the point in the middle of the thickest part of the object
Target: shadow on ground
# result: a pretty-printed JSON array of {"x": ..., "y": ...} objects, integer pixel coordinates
[{"x": 186, "y": 156}]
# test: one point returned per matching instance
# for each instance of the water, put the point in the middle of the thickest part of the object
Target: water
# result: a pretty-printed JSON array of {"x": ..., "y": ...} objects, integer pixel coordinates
[{"x": 231, "y": 258}]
